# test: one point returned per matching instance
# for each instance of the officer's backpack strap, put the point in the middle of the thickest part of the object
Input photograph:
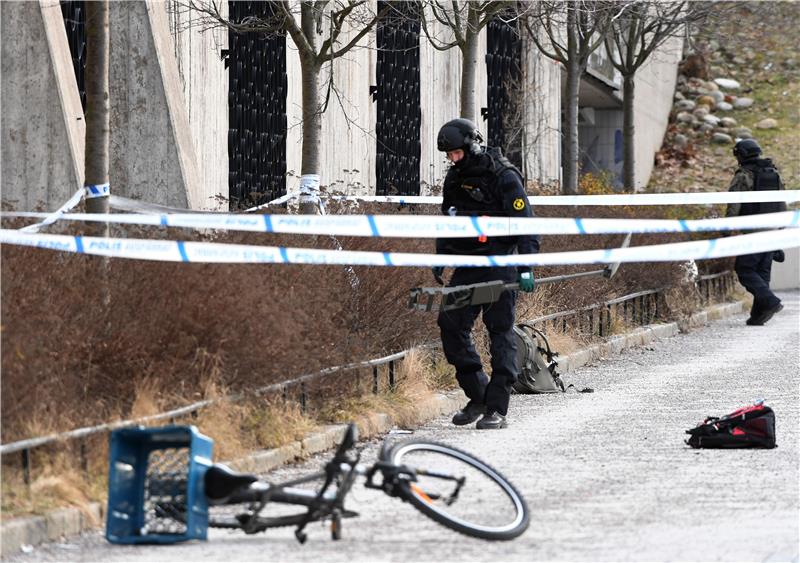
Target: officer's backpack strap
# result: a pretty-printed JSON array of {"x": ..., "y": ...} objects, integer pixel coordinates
[{"x": 501, "y": 163}]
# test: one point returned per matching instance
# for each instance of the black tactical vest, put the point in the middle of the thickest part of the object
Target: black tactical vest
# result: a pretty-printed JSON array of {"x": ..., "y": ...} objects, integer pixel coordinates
[
  {"x": 765, "y": 177},
  {"x": 472, "y": 189}
]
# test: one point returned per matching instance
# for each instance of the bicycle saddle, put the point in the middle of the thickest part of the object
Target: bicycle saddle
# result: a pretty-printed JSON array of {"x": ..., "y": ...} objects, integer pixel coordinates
[{"x": 221, "y": 481}]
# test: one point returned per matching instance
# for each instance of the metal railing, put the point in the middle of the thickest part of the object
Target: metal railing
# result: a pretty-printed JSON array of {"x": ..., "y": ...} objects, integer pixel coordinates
[
  {"x": 598, "y": 320},
  {"x": 712, "y": 286},
  {"x": 639, "y": 308}
]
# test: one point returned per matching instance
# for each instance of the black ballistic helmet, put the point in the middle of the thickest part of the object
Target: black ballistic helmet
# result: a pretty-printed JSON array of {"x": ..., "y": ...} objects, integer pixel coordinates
[
  {"x": 459, "y": 134},
  {"x": 746, "y": 149}
]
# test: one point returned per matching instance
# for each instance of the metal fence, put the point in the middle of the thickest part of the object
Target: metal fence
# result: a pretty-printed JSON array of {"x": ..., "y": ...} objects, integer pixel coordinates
[{"x": 600, "y": 320}]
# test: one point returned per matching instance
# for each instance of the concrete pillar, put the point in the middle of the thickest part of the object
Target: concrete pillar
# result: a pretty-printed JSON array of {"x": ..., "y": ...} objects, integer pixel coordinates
[
  {"x": 655, "y": 86},
  {"x": 42, "y": 120},
  {"x": 152, "y": 154}
]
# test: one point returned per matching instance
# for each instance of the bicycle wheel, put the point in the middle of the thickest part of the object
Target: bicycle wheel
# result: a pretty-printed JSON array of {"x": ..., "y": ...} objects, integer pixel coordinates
[{"x": 460, "y": 491}]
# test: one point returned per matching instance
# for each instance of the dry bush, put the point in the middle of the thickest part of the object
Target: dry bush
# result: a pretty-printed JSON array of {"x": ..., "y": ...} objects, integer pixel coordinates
[{"x": 70, "y": 360}]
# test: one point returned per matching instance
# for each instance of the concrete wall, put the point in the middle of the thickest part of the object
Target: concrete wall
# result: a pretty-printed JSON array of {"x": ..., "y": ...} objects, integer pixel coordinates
[
  {"x": 541, "y": 147},
  {"x": 786, "y": 274},
  {"x": 41, "y": 122},
  {"x": 348, "y": 125},
  {"x": 440, "y": 85},
  {"x": 601, "y": 143},
  {"x": 655, "y": 88},
  {"x": 204, "y": 81},
  {"x": 170, "y": 117},
  {"x": 440, "y": 81}
]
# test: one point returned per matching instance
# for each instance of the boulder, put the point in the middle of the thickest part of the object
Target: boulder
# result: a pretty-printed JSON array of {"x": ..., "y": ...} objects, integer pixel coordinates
[
  {"x": 728, "y": 122},
  {"x": 684, "y": 117},
  {"x": 718, "y": 96},
  {"x": 706, "y": 100},
  {"x": 724, "y": 106},
  {"x": 741, "y": 103},
  {"x": 706, "y": 128},
  {"x": 743, "y": 133},
  {"x": 701, "y": 111},
  {"x": 684, "y": 105},
  {"x": 767, "y": 123},
  {"x": 680, "y": 141},
  {"x": 721, "y": 139},
  {"x": 727, "y": 83}
]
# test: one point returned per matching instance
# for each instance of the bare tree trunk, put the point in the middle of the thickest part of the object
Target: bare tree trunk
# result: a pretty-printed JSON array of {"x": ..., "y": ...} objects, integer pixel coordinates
[
  {"x": 628, "y": 137},
  {"x": 312, "y": 119},
  {"x": 312, "y": 115},
  {"x": 574, "y": 71},
  {"x": 97, "y": 108},
  {"x": 469, "y": 56}
]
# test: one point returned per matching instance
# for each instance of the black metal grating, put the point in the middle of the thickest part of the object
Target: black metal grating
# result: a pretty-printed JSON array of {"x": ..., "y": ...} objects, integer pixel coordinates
[
  {"x": 257, "y": 87},
  {"x": 165, "y": 495},
  {"x": 503, "y": 68},
  {"x": 74, "y": 14},
  {"x": 398, "y": 97}
]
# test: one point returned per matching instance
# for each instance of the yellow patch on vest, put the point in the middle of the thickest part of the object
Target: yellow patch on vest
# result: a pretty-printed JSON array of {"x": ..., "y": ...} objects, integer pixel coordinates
[{"x": 519, "y": 204}]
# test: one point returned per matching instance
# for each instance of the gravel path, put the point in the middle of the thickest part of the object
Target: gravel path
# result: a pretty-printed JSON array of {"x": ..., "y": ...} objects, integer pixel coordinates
[{"x": 607, "y": 475}]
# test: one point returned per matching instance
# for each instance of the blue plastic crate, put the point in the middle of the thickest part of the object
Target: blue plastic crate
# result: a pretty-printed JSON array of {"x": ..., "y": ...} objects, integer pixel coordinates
[{"x": 155, "y": 485}]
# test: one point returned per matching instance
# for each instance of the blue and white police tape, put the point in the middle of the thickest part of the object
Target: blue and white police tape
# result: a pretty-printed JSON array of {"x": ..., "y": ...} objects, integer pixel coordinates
[
  {"x": 698, "y": 198},
  {"x": 208, "y": 252},
  {"x": 432, "y": 226},
  {"x": 55, "y": 215},
  {"x": 97, "y": 190}
]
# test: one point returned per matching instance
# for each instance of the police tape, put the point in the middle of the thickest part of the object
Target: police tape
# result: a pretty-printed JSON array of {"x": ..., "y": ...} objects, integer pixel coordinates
[
  {"x": 208, "y": 252},
  {"x": 50, "y": 218},
  {"x": 432, "y": 226},
  {"x": 697, "y": 198}
]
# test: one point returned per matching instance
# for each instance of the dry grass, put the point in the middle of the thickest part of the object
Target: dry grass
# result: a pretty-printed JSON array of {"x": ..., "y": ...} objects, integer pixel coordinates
[
  {"x": 420, "y": 374},
  {"x": 58, "y": 482}
]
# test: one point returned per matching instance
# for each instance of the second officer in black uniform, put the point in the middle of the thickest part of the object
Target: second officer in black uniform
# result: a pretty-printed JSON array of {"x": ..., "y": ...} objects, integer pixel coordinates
[{"x": 481, "y": 182}]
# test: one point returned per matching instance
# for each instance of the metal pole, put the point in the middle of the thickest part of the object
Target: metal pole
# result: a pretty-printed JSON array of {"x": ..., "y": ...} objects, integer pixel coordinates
[
  {"x": 84, "y": 460},
  {"x": 375, "y": 379},
  {"x": 391, "y": 375},
  {"x": 26, "y": 466},
  {"x": 303, "y": 396}
]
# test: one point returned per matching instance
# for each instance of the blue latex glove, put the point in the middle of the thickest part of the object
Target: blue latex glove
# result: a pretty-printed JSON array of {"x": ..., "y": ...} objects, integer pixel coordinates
[
  {"x": 525, "y": 281},
  {"x": 438, "y": 271}
]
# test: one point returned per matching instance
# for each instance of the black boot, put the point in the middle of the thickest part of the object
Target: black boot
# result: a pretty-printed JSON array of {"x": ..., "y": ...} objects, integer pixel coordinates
[
  {"x": 762, "y": 317},
  {"x": 469, "y": 414},
  {"x": 491, "y": 420}
]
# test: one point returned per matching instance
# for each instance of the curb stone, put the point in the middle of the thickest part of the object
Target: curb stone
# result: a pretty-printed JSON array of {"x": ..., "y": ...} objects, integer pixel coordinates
[{"x": 56, "y": 524}]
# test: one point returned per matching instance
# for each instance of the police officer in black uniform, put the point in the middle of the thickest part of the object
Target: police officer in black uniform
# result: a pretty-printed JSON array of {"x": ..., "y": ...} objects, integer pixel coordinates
[
  {"x": 482, "y": 182},
  {"x": 754, "y": 270}
]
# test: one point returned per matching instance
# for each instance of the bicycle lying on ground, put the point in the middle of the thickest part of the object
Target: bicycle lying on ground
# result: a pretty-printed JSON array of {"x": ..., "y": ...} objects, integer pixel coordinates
[{"x": 162, "y": 484}]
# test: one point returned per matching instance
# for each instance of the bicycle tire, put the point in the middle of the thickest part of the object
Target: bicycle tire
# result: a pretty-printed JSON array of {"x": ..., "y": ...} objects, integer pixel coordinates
[{"x": 517, "y": 522}]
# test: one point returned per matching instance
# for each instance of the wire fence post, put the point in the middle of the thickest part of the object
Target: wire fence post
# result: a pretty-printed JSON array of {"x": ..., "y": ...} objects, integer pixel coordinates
[
  {"x": 26, "y": 466},
  {"x": 375, "y": 379},
  {"x": 391, "y": 375},
  {"x": 84, "y": 457}
]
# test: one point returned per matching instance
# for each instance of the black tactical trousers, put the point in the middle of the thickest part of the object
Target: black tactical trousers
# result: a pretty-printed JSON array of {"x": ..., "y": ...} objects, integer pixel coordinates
[
  {"x": 459, "y": 348},
  {"x": 754, "y": 273}
]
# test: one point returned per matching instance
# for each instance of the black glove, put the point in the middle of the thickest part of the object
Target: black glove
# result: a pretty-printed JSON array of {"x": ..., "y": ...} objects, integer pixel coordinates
[
  {"x": 437, "y": 274},
  {"x": 779, "y": 256}
]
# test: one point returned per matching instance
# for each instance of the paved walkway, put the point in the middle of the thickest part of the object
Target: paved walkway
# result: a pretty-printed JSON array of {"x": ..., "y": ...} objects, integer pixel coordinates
[{"x": 607, "y": 475}]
